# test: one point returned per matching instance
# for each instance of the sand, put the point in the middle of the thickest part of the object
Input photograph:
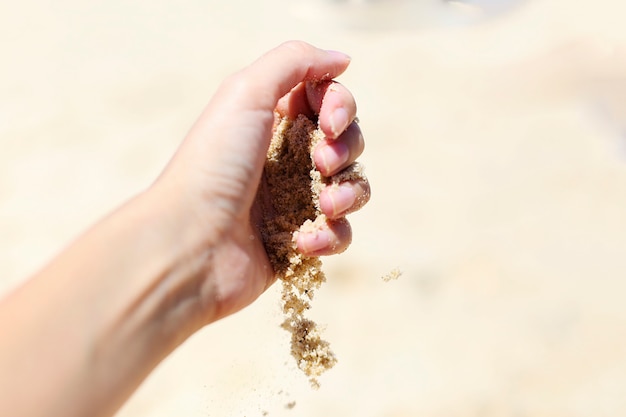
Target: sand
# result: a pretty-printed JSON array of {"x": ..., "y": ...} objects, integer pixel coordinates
[
  {"x": 290, "y": 193},
  {"x": 392, "y": 275}
]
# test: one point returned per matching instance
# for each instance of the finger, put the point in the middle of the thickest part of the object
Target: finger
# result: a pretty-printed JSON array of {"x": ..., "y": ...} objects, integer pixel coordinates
[
  {"x": 332, "y": 237},
  {"x": 281, "y": 69},
  {"x": 307, "y": 98},
  {"x": 338, "y": 200},
  {"x": 257, "y": 89},
  {"x": 335, "y": 105},
  {"x": 295, "y": 103},
  {"x": 332, "y": 156},
  {"x": 243, "y": 106}
]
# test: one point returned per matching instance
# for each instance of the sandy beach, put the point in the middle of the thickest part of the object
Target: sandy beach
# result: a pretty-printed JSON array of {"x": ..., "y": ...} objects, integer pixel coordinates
[{"x": 496, "y": 152}]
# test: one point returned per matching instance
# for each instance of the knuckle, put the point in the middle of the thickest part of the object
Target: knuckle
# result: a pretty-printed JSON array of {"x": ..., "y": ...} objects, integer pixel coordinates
[
  {"x": 297, "y": 46},
  {"x": 237, "y": 84}
]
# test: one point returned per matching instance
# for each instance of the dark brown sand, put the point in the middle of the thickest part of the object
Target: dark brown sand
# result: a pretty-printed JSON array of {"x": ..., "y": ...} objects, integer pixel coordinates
[{"x": 293, "y": 185}]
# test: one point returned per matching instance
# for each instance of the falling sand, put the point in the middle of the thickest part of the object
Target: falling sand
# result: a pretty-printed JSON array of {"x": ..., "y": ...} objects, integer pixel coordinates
[
  {"x": 392, "y": 275},
  {"x": 290, "y": 192}
]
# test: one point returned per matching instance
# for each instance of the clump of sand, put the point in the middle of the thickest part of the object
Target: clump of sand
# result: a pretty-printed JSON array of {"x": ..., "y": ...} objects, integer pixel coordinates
[
  {"x": 392, "y": 275},
  {"x": 290, "y": 192}
]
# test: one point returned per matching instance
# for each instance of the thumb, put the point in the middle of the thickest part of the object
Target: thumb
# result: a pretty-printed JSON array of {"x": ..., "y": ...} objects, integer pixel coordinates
[
  {"x": 240, "y": 116},
  {"x": 257, "y": 88},
  {"x": 281, "y": 69},
  {"x": 229, "y": 141}
]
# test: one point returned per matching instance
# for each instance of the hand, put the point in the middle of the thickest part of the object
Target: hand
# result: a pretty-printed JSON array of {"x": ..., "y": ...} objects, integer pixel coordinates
[
  {"x": 216, "y": 172},
  {"x": 180, "y": 255}
]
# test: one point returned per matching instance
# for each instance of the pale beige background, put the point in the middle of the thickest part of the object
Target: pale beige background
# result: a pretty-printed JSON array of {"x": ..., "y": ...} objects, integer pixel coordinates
[{"x": 496, "y": 153}]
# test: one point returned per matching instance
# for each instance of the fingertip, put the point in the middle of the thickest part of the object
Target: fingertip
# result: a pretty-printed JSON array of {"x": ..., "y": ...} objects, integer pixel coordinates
[
  {"x": 335, "y": 200},
  {"x": 339, "y": 200},
  {"x": 337, "y": 110},
  {"x": 333, "y": 155},
  {"x": 339, "y": 55},
  {"x": 338, "y": 121},
  {"x": 331, "y": 238},
  {"x": 275, "y": 73},
  {"x": 330, "y": 156},
  {"x": 313, "y": 242}
]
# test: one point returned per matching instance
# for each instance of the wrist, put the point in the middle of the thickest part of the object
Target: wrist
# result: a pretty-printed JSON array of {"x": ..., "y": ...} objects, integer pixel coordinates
[
  {"x": 153, "y": 301},
  {"x": 178, "y": 252}
]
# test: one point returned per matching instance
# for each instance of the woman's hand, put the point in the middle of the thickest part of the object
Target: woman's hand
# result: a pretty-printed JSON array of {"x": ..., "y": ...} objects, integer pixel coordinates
[
  {"x": 217, "y": 170},
  {"x": 102, "y": 314}
]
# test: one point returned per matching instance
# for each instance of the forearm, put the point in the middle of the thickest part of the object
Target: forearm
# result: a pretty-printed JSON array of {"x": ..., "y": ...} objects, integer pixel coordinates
[
  {"x": 79, "y": 337},
  {"x": 84, "y": 332}
]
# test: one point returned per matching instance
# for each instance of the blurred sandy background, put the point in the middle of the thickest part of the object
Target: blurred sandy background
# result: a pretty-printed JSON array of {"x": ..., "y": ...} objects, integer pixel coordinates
[{"x": 497, "y": 157}]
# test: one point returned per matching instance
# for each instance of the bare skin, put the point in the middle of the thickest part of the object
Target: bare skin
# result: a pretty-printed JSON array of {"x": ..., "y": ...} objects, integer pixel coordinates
[{"x": 83, "y": 333}]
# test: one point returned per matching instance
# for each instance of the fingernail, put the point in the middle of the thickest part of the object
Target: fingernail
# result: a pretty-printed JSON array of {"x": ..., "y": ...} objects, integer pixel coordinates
[
  {"x": 342, "y": 198},
  {"x": 339, "y": 54},
  {"x": 314, "y": 241},
  {"x": 338, "y": 121},
  {"x": 333, "y": 156}
]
